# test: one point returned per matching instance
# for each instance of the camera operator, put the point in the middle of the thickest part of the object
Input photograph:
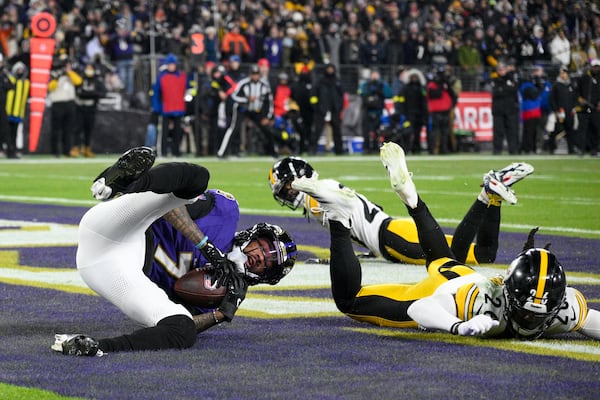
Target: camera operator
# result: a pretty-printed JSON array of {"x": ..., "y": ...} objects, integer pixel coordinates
[
  {"x": 440, "y": 101},
  {"x": 61, "y": 92}
]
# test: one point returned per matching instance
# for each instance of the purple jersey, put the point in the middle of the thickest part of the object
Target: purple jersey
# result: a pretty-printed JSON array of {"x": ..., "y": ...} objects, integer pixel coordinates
[{"x": 172, "y": 255}]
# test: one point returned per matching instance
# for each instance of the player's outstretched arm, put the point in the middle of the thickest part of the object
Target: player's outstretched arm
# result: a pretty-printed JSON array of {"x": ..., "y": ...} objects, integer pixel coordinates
[
  {"x": 438, "y": 312},
  {"x": 183, "y": 222}
]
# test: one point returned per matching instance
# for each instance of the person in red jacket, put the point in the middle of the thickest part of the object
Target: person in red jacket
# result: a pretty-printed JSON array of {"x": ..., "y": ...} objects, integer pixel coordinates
[
  {"x": 169, "y": 101},
  {"x": 440, "y": 101}
]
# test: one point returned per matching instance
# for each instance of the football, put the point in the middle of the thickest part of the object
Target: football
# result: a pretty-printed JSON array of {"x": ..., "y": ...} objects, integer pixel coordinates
[{"x": 195, "y": 288}]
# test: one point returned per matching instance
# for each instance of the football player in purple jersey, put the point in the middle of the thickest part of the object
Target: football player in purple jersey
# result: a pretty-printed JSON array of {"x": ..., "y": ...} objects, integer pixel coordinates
[
  {"x": 114, "y": 250},
  {"x": 531, "y": 301}
]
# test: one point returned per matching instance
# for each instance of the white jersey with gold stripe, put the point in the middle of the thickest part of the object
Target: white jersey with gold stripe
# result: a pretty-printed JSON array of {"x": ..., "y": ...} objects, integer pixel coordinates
[
  {"x": 486, "y": 297},
  {"x": 367, "y": 218}
]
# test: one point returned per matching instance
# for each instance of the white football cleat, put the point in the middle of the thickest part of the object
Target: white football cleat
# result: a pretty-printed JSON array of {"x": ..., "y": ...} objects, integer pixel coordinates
[
  {"x": 336, "y": 200},
  {"x": 497, "y": 191},
  {"x": 392, "y": 157},
  {"x": 514, "y": 172}
]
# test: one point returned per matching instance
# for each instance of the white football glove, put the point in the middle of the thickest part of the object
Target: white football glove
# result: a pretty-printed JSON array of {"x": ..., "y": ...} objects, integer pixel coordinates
[
  {"x": 239, "y": 259},
  {"x": 477, "y": 325},
  {"x": 100, "y": 191}
]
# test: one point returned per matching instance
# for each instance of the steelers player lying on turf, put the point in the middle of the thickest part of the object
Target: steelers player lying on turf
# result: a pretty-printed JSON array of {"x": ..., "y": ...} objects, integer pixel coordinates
[
  {"x": 532, "y": 300},
  {"x": 112, "y": 252},
  {"x": 396, "y": 239}
]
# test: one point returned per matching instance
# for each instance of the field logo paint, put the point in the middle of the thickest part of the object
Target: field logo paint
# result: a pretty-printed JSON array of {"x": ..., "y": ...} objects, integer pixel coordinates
[{"x": 24, "y": 233}]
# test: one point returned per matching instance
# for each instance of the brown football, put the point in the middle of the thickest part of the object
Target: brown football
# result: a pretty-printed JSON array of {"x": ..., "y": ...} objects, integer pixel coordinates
[{"x": 194, "y": 288}]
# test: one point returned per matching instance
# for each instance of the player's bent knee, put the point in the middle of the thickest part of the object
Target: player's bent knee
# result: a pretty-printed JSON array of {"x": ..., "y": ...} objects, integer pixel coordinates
[
  {"x": 344, "y": 305},
  {"x": 181, "y": 331}
]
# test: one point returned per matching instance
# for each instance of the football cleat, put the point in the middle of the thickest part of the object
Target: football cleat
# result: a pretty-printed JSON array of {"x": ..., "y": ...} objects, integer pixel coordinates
[
  {"x": 76, "y": 345},
  {"x": 129, "y": 167},
  {"x": 392, "y": 157},
  {"x": 335, "y": 200},
  {"x": 497, "y": 191},
  {"x": 514, "y": 172}
]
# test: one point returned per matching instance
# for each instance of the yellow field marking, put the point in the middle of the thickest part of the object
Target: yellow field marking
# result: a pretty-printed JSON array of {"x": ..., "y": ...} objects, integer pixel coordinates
[{"x": 588, "y": 351}]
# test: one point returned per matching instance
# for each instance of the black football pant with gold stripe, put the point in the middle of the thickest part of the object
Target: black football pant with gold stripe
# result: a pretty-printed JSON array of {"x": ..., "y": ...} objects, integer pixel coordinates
[
  {"x": 483, "y": 221},
  {"x": 387, "y": 304},
  {"x": 399, "y": 240}
]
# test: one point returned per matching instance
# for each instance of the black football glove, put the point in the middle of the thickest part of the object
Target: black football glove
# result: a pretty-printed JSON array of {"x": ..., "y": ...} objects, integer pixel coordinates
[
  {"x": 221, "y": 267},
  {"x": 236, "y": 293}
]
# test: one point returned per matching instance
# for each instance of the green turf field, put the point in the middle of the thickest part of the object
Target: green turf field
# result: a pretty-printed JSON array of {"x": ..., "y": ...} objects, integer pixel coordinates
[{"x": 560, "y": 196}]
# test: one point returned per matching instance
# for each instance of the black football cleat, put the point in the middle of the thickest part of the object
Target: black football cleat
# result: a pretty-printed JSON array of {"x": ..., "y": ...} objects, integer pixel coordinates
[
  {"x": 76, "y": 345},
  {"x": 129, "y": 167}
]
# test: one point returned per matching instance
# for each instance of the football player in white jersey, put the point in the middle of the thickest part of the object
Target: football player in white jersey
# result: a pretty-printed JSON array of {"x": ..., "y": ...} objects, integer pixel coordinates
[
  {"x": 531, "y": 301},
  {"x": 395, "y": 239}
]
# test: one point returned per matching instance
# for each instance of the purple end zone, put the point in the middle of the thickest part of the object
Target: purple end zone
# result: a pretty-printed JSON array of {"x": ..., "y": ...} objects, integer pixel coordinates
[{"x": 269, "y": 359}]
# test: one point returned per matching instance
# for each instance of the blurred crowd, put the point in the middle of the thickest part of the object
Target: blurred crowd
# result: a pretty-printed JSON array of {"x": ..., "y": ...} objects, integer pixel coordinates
[{"x": 126, "y": 43}]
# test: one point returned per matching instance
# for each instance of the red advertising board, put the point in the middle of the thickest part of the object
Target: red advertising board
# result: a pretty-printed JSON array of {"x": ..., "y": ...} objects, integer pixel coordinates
[{"x": 473, "y": 112}]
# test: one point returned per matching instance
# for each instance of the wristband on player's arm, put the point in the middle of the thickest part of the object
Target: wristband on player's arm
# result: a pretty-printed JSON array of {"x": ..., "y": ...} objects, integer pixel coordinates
[{"x": 202, "y": 242}]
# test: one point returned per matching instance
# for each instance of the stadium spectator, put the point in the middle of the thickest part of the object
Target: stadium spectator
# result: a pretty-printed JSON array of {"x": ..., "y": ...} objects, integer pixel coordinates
[
  {"x": 505, "y": 110},
  {"x": 560, "y": 48},
  {"x": 234, "y": 43},
  {"x": 531, "y": 113},
  {"x": 518, "y": 29},
  {"x": 318, "y": 45},
  {"x": 212, "y": 94},
  {"x": 333, "y": 40},
  {"x": 273, "y": 46},
  {"x": 395, "y": 47},
  {"x": 147, "y": 194},
  {"x": 120, "y": 50},
  {"x": 327, "y": 99},
  {"x": 211, "y": 44},
  {"x": 61, "y": 93},
  {"x": 287, "y": 120},
  {"x": 395, "y": 239},
  {"x": 469, "y": 60},
  {"x": 198, "y": 77},
  {"x": 264, "y": 68},
  {"x": 441, "y": 49},
  {"x": 6, "y": 135},
  {"x": 563, "y": 100},
  {"x": 350, "y": 49},
  {"x": 440, "y": 103},
  {"x": 255, "y": 34},
  {"x": 16, "y": 103},
  {"x": 531, "y": 301},
  {"x": 415, "y": 108},
  {"x": 169, "y": 101},
  {"x": 588, "y": 92},
  {"x": 301, "y": 92},
  {"x": 374, "y": 92},
  {"x": 88, "y": 93},
  {"x": 372, "y": 51},
  {"x": 288, "y": 43}
]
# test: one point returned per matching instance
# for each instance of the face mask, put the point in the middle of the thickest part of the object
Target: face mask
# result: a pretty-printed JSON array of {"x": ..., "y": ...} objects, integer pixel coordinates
[{"x": 89, "y": 72}]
